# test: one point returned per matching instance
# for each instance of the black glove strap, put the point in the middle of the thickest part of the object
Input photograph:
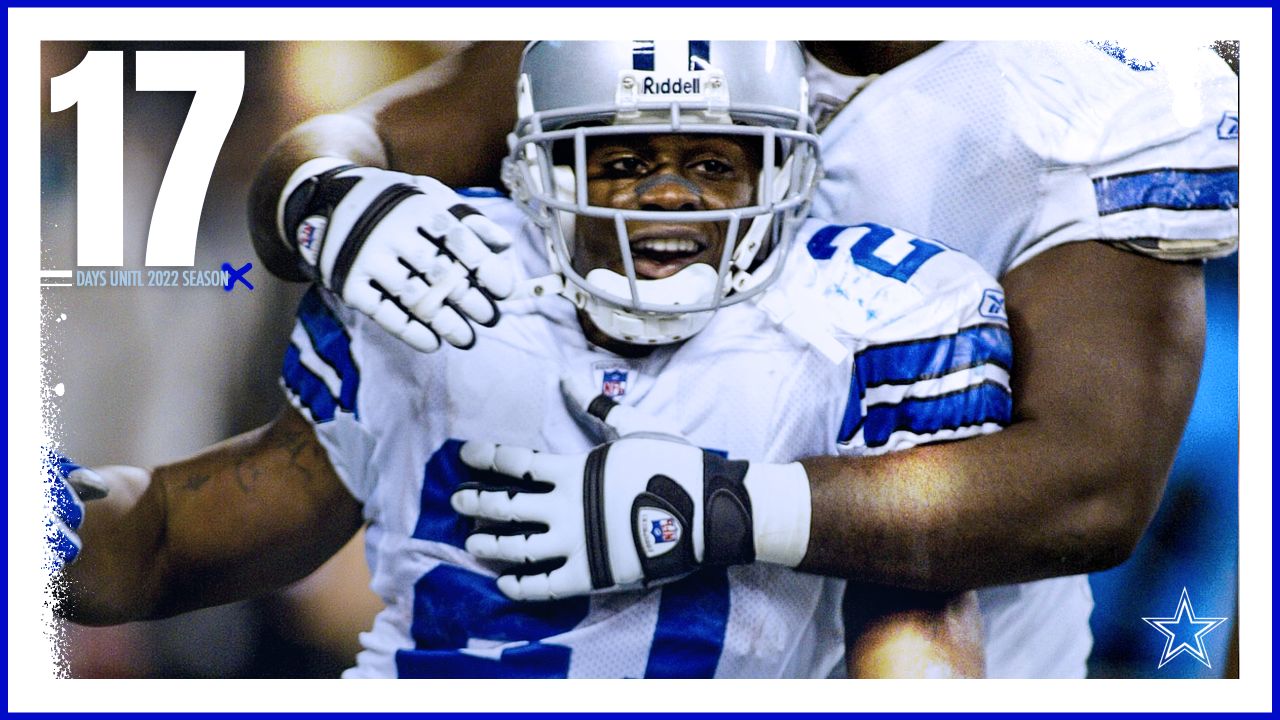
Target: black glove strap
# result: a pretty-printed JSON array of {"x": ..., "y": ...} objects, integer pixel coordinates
[
  {"x": 593, "y": 510},
  {"x": 318, "y": 195},
  {"x": 668, "y": 496},
  {"x": 727, "y": 514}
]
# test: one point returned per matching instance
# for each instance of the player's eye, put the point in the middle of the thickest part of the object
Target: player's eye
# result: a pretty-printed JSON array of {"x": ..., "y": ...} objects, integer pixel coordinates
[
  {"x": 714, "y": 167},
  {"x": 622, "y": 166}
]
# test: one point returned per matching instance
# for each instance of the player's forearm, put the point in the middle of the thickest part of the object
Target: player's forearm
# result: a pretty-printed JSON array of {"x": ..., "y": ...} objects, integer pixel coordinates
[
  {"x": 1108, "y": 347},
  {"x": 957, "y": 516},
  {"x": 241, "y": 518}
]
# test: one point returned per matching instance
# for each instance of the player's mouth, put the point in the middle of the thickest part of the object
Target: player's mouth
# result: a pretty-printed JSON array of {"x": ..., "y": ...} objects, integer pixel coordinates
[{"x": 662, "y": 252}]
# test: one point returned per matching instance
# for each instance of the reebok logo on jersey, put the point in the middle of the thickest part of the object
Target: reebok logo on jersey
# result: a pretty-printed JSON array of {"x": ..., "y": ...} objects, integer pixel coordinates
[
  {"x": 659, "y": 530},
  {"x": 1229, "y": 126},
  {"x": 992, "y": 304}
]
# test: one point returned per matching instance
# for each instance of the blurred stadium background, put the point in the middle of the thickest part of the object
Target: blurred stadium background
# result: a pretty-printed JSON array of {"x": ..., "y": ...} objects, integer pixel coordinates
[{"x": 152, "y": 374}]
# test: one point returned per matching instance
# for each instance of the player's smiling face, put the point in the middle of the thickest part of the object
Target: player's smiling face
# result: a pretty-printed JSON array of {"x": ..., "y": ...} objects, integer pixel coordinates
[{"x": 664, "y": 172}]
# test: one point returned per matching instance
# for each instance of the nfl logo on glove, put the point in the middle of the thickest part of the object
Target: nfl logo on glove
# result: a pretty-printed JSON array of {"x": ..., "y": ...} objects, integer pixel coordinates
[{"x": 664, "y": 530}]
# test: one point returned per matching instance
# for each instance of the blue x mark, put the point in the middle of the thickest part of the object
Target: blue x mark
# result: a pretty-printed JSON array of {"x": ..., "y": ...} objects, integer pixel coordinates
[{"x": 235, "y": 275}]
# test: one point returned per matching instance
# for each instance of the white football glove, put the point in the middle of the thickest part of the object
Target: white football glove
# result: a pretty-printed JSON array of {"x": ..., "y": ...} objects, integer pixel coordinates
[
  {"x": 67, "y": 486},
  {"x": 639, "y": 510},
  {"x": 403, "y": 249}
]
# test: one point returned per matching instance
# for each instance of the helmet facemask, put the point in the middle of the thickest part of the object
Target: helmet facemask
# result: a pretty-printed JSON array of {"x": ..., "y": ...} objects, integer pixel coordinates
[{"x": 547, "y": 172}]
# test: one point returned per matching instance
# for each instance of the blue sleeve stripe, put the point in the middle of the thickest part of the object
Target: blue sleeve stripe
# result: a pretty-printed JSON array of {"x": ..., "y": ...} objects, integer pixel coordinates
[
  {"x": 308, "y": 387},
  {"x": 1168, "y": 189},
  {"x": 693, "y": 616},
  {"x": 911, "y": 361},
  {"x": 332, "y": 344},
  {"x": 908, "y": 362},
  {"x": 986, "y": 402}
]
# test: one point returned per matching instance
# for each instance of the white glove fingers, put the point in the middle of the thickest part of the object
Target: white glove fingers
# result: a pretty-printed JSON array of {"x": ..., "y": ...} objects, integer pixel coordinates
[
  {"x": 496, "y": 276},
  {"x": 570, "y": 579},
  {"x": 514, "y": 460},
  {"x": 478, "y": 455},
  {"x": 526, "y": 587},
  {"x": 489, "y": 232},
  {"x": 450, "y": 326},
  {"x": 362, "y": 295},
  {"x": 553, "y": 468},
  {"x": 531, "y": 548},
  {"x": 499, "y": 505},
  {"x": 489, "y": 271},
  {"x": 420, "y": 337},
  {"x": 474, "y": 305}
]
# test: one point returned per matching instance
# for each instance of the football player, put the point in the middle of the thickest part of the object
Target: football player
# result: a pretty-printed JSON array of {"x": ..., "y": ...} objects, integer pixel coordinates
[
  {"x": 1092, "y": 185},
  {"x": 649, "y": 466}
]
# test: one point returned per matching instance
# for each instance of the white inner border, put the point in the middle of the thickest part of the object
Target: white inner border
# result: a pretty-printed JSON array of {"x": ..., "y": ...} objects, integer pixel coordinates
[{"x": 31, "y": 687}]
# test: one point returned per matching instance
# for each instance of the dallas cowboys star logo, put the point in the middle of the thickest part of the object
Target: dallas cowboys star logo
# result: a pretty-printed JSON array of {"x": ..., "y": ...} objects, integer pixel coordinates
[{"x": 1185, "y": 625}]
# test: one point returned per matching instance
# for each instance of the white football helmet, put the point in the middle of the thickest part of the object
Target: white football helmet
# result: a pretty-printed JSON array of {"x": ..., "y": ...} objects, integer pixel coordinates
[{"x": 570, "y": 91}]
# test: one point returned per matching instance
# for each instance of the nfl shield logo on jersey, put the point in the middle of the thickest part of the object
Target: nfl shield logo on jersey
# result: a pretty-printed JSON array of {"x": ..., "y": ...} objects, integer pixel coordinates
[
  {"x": 614, "y": 383},
  {"x": 658, "y": 529}
]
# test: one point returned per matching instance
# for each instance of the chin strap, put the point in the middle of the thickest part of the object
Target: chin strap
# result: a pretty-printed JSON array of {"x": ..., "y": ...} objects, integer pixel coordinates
[
  {"x": 540, "y": 287},
  {"x": 744, "y": 255}
]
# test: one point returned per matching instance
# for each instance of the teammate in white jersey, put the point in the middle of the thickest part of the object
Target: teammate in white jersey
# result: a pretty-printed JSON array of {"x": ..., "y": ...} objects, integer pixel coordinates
[
  {"x": 1023, "y": 155},
  {"x": 643, "y": 512}
]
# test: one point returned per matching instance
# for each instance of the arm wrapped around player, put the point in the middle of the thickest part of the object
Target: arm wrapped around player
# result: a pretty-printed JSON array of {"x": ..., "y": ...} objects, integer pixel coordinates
[
  {"x": 402, "y": 249},
  {"x": 640, "y": 510}
]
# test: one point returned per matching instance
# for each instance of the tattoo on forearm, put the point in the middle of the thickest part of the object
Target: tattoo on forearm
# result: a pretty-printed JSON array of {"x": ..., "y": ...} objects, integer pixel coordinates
[
  {"x": 303, "y": 452},
  {"x": 286, "y": 454}
]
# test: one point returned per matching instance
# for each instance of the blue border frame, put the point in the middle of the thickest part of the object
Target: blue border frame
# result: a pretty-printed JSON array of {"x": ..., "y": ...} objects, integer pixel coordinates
[{"x": 616, "y": 3}]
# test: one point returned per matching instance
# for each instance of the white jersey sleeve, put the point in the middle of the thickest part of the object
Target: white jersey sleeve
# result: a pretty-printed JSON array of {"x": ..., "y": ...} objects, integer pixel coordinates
[
  {"x": 321, "y": 377},
  {"x": 928, "y": 331},
  {"x": 1004, "y": 150}
]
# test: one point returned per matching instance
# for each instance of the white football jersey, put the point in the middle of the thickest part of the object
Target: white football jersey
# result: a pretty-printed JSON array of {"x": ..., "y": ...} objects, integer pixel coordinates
[
  {"x": 915, "y": 349},
  {"x": 1006, "y": 149}
]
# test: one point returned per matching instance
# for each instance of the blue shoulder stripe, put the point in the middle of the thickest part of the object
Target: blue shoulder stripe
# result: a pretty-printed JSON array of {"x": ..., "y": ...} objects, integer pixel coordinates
[
  {"x": 906, "y": 362},
  {"x": 332, "y": 344},
  {"x": 1168, "y": 189},
  {"x": 309, "y": 388},
  {"x": 986, "y": 402},
  {"x": 911, "y": 361}
]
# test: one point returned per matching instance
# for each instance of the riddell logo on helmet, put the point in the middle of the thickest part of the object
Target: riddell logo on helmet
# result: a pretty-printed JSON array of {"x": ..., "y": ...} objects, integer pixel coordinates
[{"x": 671, "y": 86}]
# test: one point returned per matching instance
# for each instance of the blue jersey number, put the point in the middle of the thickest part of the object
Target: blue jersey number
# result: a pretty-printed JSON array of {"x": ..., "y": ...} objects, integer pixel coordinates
[
  {"x": 460, "y": 618},
  {"x": 822, "y": 246}
]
